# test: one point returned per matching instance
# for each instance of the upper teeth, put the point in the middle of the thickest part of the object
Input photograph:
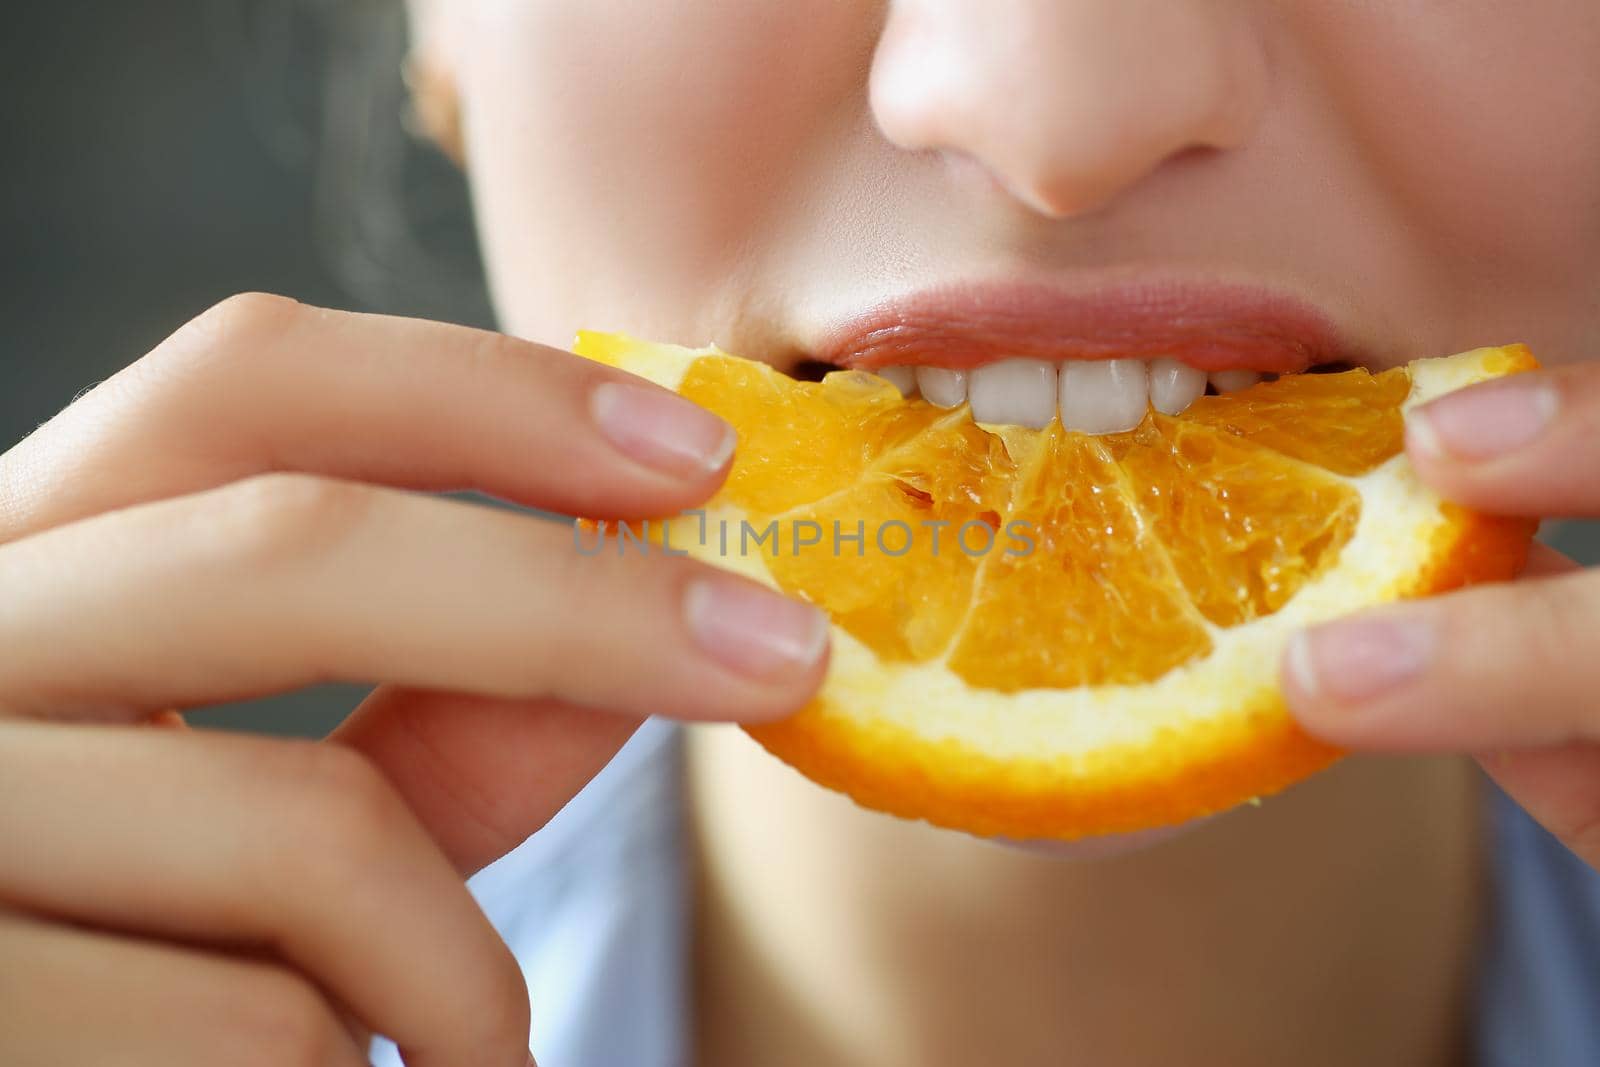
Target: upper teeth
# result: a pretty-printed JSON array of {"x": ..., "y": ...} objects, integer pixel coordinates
[
  {"x": 903, "y": 379},
  {"x": 1175, "y": 385},
  {"x": 1098, "y": 396},
  {"x": 943, "y": 387},
  {"x": 1021, "y": 391},
  {"x": 1103, "y": 396},
  {"x": 1228, "y": 381}
]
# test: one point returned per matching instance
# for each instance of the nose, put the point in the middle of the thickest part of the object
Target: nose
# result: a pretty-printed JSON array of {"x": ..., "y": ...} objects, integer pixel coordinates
[{"x": 1068, "y": 102}]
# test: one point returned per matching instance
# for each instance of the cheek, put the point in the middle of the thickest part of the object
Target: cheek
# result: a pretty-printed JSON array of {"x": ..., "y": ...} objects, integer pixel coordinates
[
  {"x": 628, "y": 157},
  {"x": 1483, "y": 124}
]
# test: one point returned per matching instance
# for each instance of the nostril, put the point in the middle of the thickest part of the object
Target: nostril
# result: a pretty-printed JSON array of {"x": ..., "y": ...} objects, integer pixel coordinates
[{"x": 1068, "y": 104}]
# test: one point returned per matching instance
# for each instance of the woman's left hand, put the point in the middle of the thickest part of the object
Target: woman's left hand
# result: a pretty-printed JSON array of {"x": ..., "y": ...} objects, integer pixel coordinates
[{"x": 1507, "y": 672}]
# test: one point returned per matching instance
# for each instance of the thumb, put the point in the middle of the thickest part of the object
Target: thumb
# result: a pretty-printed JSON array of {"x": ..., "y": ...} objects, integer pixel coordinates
[{"x": 482, "y": 773}]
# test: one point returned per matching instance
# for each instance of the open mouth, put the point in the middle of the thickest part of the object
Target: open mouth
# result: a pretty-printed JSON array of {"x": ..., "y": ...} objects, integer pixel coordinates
[{"x": 1097, "y": 360}]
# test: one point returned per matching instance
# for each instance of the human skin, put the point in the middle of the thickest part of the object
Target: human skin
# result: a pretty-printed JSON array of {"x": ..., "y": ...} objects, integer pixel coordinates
[
  {"x": 755, "y": 174},
  {"x": 227, "y": 517}
]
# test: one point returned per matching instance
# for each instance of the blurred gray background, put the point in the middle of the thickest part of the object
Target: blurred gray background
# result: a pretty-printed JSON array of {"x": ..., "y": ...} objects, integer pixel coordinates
[{"x": 158, "y": 157}]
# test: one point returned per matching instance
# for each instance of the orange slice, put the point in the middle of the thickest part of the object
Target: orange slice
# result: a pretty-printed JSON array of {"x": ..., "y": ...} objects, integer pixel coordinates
[{"x": 1091, "y": 643}]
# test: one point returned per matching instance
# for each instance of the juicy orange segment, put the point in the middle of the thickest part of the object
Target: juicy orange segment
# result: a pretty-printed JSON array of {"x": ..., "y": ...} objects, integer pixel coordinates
[
  {"x": 1245, "y": 526},
  {"x": 891, "y": 568},
  {"x": 1043, "y": 633},
  {"x": 1347, "y": 423},
  {"x": 849, "y": 424},
  {"x": 1095, "y": 602}
]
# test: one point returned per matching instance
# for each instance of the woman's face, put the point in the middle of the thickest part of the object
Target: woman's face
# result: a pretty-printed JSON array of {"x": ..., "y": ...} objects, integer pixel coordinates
[{"x": 764, "y": 173}]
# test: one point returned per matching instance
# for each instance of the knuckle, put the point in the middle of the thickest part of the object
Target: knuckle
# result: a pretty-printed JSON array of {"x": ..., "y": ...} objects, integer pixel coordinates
[
  {"x": 491, "y": 351},
  {"x": 344, "y": 810},
  {"x": 1559, "y": 611},
  {"x": 281, "y": 1020},
  {"x": 268, "y": 519},
  {"x": 655, "y": 585},
  {"x": 240, "y": 322},
  {"x": 508, "y": 1014},
  {"x": 184, "y": 375},
  {"x": 494, "y": 361}
]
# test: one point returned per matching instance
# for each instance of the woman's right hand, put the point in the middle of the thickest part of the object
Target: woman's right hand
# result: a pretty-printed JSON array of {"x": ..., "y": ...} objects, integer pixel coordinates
[{"x": 228, "y": 517}]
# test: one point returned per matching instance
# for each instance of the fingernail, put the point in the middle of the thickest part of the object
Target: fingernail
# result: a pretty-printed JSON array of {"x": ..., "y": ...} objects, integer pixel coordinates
[
  {"x": 755, "y": 631},
  {"x": 1359, "y": 659},
  {"x": 662, "y": 431},
  {"x": 1483, "y": 423}
]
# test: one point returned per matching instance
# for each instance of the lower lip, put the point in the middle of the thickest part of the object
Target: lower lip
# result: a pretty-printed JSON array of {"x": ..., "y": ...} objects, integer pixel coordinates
[{"x": 1212, "y": 328}]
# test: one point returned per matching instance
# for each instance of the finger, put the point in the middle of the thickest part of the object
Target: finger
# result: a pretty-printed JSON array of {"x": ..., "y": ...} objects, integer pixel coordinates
[
  {"x": 1559, "y": 787},
  {"x": 285, "y": 580},
  {"x": 1508, "y": 665},
  {"x": 1528, "y": 444},
  {"x": 481, "y": 774},
  {"x": 74, "y": 996},
  {"x": 296, "y": 847},
  {"x": 262, "y": 383}
]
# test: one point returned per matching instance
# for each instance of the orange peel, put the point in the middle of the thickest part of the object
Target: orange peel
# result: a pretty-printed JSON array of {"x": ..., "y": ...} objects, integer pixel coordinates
[{"x": 1123, "y": 673}]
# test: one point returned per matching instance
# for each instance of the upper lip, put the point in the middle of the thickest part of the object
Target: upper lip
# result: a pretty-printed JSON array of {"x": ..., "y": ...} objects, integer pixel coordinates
[{"x": 1210, "y": 326}]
